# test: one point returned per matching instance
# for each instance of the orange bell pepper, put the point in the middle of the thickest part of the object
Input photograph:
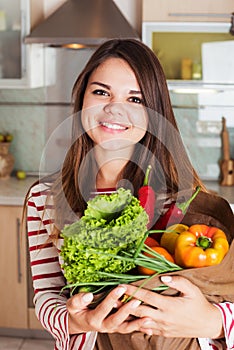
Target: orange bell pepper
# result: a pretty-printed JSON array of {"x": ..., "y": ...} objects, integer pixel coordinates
[{"x": 201, "y": 246}]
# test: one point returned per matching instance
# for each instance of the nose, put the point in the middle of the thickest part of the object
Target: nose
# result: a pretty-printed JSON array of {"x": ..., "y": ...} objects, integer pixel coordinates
[{"x": 114, "y": 108}]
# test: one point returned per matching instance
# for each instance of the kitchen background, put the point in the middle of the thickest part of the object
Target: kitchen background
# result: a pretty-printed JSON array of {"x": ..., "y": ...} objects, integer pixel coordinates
[
  {"x": 32, "y": 114},
  {"x": 192, "y": 41}
]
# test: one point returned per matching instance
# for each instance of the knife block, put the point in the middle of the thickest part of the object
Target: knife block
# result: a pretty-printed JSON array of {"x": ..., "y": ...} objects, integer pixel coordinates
[{"x": 227, "y": 172}]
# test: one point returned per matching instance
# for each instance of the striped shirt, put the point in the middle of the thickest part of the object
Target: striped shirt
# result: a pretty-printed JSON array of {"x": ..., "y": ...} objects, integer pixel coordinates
[
  {"x": 48, "y": 281},
  {"x": 47, "y": 275}
]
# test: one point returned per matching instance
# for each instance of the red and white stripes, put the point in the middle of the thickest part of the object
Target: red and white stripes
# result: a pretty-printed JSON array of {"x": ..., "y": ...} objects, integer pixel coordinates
[
  {"x": 47, "y": 275},
  {"x": 227, "y": 311}
]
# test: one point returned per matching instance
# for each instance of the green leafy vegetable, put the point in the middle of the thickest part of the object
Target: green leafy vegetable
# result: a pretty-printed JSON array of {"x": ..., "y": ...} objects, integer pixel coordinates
[
  {"x": 108, "y": 207},
  {"x": 112, "y": 226},
  {"x": 102, "y": 247}
]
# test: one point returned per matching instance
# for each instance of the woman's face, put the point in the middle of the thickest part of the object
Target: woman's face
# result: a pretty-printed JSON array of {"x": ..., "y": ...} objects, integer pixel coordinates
[{"x": 113, "y": 114}]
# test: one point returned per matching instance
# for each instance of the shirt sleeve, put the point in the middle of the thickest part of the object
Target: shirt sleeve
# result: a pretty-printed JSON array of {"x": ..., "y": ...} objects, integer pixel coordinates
[
  {"x": 227, "y": 343},
  {"x": 47, "y": 275},
  {"x": 227, "y": 312}
]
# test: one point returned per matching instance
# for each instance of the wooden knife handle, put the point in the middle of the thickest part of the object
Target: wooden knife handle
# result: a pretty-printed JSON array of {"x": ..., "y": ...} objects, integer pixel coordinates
[
  {"x": 227, "y": 172},
  {"x": 225, "y": 140}
]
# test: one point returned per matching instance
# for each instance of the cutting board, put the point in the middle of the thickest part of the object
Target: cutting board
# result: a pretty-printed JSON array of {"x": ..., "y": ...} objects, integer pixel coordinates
[{"x": 226, "y": 164}]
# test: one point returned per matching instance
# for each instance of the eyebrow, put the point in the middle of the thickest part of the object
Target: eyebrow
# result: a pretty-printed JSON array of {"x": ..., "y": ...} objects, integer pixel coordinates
[
  {"x": 136, "y": 92},
  {"x": 101, "y": 84}
]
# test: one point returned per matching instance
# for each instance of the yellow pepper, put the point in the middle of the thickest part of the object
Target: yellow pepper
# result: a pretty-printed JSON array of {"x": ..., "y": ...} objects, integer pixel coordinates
[
  {"x": 201, "y": 246},
  {"x": 170, "y": 236}
]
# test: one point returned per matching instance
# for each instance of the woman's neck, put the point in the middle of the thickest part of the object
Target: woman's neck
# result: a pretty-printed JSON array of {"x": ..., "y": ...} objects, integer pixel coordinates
[
  {"x": 109, "y": 173},
  {"x": 110, "y": 166}
]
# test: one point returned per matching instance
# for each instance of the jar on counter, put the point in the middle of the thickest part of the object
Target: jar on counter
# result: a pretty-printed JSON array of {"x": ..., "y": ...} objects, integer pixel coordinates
[{"x": 6, "y": 160}]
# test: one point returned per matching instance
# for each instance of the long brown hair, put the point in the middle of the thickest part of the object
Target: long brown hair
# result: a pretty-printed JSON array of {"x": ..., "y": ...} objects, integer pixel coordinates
[{"x": 168, "y": 169}]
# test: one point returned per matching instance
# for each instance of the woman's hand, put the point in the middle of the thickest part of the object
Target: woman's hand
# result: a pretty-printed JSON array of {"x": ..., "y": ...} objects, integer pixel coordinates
[
  {"x": 82, "y": 319},
  {"x": 188, "y": 315}
]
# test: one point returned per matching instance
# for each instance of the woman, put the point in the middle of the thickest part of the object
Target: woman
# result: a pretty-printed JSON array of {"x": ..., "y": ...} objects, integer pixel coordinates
[{"x": 123, "y": 121}]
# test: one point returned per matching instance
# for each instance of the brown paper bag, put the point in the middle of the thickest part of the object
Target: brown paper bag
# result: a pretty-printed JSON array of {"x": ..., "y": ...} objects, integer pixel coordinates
[{"x": 216, "y": 282}]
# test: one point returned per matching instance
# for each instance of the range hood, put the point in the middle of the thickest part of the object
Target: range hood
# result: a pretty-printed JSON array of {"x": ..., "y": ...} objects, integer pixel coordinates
[{"x": 82, "y": 22}]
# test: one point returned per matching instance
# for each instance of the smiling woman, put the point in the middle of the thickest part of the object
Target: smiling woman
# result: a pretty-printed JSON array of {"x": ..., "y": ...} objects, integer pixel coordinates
[
  {"x": 113, "y": 114},
  {"x": 123, "y": 123}
]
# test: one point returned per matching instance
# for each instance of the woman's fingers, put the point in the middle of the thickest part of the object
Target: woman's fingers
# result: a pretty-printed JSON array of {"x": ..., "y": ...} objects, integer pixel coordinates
[
  {"x": 79, "y": 302},
  {"x": 109, "y": 316},
  {"x": 187, "y": 315},
  {"x": 184, "y": 286},
  {"x": 122, "y": 314},
  {"x": 158, "y": 314},
  {"x": 109, "y": 303},
  {"x": 135, "y": 325},
  {"x": 181, "y": 284},
  {"x": 146, "y": 296}
]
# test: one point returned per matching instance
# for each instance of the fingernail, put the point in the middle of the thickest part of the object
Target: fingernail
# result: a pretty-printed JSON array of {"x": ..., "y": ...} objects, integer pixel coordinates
[
  {"x": 135, "y": 304},
  {"x": 148, "y": 323},
  {"x": 120, "y": 291},
  {"x": 87, "y": 297},
  {"x": 166, "y": 279},
  {"x": 148, "y": 331}
]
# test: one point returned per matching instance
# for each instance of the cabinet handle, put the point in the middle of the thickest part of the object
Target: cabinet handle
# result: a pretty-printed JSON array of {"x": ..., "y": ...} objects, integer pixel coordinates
[
  {"x": 214, "y": 15},
  {"x": 24, "y": 30},
  {"x": 19, "y": 271}
]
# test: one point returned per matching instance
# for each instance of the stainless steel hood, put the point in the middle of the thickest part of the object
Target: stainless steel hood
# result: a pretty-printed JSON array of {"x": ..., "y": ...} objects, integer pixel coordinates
[{"x": 82, "y": 22}]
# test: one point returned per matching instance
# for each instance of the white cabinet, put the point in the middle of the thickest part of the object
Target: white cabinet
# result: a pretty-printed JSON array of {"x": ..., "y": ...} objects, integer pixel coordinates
[
  {"x": 175, "y": 41},
  {"x": 187, "y": 10},
  {"x": 21, "y": 65},
  {"x": 176, "y": 31}
]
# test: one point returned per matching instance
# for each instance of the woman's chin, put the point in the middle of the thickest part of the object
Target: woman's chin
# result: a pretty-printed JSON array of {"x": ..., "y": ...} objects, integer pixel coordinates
[{"x": 116, "y": 145}]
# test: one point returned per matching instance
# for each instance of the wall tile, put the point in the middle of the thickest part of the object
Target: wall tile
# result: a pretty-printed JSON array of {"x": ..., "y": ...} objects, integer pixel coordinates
[
  {"x": 203, "y": 149},
  {"x": 27, "y": 124}
]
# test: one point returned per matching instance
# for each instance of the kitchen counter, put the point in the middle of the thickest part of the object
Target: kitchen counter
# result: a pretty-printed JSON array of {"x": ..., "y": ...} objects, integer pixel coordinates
[
  {"x": 227, "y": 192},
  {"x": 13, "y": 191}
]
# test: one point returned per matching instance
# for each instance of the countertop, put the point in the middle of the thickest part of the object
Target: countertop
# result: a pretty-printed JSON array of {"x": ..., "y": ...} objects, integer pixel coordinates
[
  {"x": 227, "y": 192},
  {"x": 13, "y": 191}
]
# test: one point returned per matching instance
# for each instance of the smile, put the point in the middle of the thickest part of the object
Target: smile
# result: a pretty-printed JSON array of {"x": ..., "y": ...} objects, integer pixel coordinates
[{"x": 113, "y": 126}]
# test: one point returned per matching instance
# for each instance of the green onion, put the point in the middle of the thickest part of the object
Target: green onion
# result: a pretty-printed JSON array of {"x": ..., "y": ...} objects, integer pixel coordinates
[
  {"x": 102, "y": 249},
  {"x": 157, "y": 263}
]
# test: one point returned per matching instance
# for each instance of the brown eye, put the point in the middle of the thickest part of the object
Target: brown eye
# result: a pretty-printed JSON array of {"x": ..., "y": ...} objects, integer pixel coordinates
[
  {"x": 135, "y": 99},
  {"x": 100, "y": 92}
]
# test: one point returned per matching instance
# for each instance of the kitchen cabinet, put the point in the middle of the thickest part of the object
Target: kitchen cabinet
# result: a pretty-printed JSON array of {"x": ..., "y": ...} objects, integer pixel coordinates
[
  {"x": 21, "y": 65},
  {"x": 187, "y": 10},
  {"x": 13, "y": 272},
  {"x": 176, "y": 32},
  {"x": 174, "y": 42}
]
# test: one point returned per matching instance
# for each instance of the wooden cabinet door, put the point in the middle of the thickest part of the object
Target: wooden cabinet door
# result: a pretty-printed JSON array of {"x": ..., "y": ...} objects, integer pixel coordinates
[
  {"x": 13, "y": 270},
  {"x": 188, "y": 10}
]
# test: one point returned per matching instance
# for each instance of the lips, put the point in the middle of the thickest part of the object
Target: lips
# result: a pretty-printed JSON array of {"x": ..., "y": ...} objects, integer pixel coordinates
[{"x": 114, "y": 126}]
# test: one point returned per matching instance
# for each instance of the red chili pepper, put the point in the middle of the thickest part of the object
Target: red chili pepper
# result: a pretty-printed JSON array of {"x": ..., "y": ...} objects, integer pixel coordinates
[
  {"x": 175, "y": 213},
  {"x": 147, "y": 198}
]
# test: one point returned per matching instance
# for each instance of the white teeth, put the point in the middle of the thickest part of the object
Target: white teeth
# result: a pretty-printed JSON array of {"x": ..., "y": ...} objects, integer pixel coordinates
[{"x": 113, "y": 126}]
